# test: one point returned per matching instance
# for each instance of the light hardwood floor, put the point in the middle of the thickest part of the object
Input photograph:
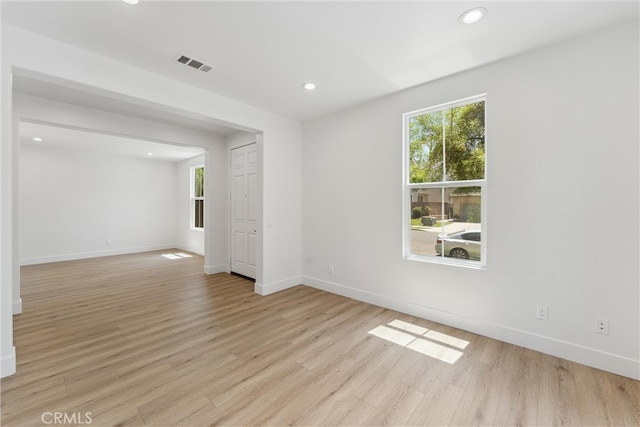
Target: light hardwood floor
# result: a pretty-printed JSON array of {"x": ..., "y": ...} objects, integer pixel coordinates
[{"x": 143, "y": 340}]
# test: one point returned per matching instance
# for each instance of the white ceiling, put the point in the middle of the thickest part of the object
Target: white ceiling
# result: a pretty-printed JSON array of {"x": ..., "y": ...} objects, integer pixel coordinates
[
  {"x": 87, "y": 140},
  {"x": 263, "y": 52},
  {"x": 85, "y": 97},
  {"x": 55, "y": 135},
  {"x": 354, "y": 51}
]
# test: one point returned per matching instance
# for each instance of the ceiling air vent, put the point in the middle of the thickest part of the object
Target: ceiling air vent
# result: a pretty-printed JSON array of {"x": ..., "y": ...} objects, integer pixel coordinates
[{"x": 194, "y": 63}]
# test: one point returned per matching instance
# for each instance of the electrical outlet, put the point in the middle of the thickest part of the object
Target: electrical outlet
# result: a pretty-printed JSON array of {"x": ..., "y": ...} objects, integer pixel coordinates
[
  {"x": 541, "y": 312},
  {"x": 602, "y": 326},
  {"x": 331, "y": 269}
]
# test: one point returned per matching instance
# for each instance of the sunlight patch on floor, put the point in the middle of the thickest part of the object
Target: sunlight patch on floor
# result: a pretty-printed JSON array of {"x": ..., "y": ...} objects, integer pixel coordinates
[
  {"x": 422, "y": 340},
  {"x": 177, "y": 255}
]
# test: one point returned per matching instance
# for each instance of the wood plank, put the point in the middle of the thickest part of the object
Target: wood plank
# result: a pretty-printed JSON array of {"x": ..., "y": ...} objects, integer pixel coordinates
[
  {"x": 557, "y": 403},
  {"x": 142, "y": 340},
  {"x": 481, "y": 397},
  {"x": 438, "y": 405}
]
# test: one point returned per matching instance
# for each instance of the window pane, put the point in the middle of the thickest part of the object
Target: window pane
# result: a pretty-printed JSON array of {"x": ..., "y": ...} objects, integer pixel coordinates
[
  {"x": 452, "y": 219},
  {"x": 198, "y": 214},
  {"x": 198, "y": 182},
  {"x": 427, "y": 215},
  {"x": 425, "y": 148},
  {"x": 465, "y": 142}
]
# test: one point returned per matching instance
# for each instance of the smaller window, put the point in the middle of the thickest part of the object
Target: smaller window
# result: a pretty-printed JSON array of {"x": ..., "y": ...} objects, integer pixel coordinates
[{"x": 197, "y": 197}]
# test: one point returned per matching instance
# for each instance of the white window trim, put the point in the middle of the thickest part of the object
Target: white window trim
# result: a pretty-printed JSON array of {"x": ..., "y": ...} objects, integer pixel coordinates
[
  {"x": 193, "y": 198},
  {"x": 407, "y": 186}
]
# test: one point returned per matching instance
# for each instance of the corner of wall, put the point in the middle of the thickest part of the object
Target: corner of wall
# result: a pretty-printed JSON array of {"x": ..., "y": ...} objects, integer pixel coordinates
[
  {"x": 215, "y": 269},
  {"x": 17, "y": 306},
  {"x": 281, "y": 285},
  {"x": 8, "y": 364}
]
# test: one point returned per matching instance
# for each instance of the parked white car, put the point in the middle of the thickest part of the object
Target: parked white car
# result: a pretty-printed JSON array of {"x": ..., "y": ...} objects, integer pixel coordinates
[{"x": 461, "y": 244}]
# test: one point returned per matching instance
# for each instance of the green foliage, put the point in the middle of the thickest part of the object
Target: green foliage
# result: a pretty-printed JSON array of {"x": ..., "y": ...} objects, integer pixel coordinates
[
  {"x": 453, "y": 137},
  {"x": 474, "y": 214},
  {"x": 420, "y": 211},
  {"x": 198, "y": 185},
  {"x": 466, "y": 190}
]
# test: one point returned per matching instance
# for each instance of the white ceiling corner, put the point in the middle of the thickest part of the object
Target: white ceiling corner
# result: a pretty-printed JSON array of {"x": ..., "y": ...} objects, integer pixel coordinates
[{"x": 263, "y": 51}]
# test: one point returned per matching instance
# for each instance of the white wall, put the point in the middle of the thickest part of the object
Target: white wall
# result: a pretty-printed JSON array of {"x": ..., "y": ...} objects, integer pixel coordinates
[
  {"x": 37, "y": 109},
  {"x": 189, "y": 239},
  {"x": 563, "y": 196},
  {"x": 239, "y": 139},
  {"x": 79, "y": 204},
  {"x": 216, "y": 207},
  {"x": 279, "y": 245},
  {"x": 7, "y": 349}
]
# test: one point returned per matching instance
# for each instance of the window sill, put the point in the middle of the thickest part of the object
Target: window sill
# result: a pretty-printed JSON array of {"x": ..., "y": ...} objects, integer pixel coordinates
[{"x": 474, "y": 265}]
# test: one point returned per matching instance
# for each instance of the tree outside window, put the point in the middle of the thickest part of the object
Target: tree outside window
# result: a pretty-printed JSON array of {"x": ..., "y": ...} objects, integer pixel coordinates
[
  {"x": 197, "y": 197},
  {"x": 445, "y": 153}
]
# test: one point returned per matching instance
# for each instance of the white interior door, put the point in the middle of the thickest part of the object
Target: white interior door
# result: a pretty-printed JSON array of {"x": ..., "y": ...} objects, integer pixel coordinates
[{"x": 244, "y": 212}]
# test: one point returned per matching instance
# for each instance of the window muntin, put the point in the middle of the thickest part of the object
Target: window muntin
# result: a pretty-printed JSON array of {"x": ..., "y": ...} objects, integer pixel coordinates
[
  {"x": 197, "y": 197},
  {"x": 445, "y": 185}
]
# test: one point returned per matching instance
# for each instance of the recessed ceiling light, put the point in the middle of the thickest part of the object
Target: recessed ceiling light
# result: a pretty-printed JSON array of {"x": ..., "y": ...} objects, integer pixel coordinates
[
  {"x": 37, "y": 139},
  {"x": 131, "y": 1},
  {"x": 149, "y": 154},
  {"x": 472, "y": 16},
  {"x": 309, "y": 86}
]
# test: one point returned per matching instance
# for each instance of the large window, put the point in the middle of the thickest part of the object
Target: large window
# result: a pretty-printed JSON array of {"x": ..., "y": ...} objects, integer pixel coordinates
[
  {"x": 445, "y": 183},
  {"x": 197, "y": 197}
]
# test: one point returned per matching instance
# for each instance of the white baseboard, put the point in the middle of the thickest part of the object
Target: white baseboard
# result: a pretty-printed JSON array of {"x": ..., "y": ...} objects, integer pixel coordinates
[
  {"x": 17, "y": 306},
  {"x": 94, "y": 254},
  {"x": 587, "y": 356},
  {"x": 215, "y": 269},
  {"x": 188, "y": 248},
  {"x": 8, "y": 364},
  {"x": 270, "y": 288}
]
